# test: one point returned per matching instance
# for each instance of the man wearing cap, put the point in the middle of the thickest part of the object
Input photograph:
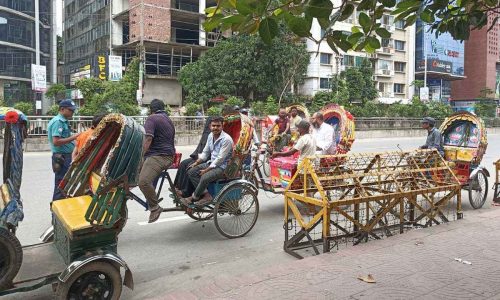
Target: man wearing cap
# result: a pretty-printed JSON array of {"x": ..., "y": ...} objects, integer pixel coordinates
[
  {"x": 434, "y": 138},
  {"x": 159, "y": 151},
  {"x": 61, "y": 143}
]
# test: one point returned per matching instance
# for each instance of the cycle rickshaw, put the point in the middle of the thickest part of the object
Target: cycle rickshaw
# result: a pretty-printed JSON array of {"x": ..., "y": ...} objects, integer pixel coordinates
[
  {"x": 465, "y": 143},
  {"x": 235, "y": 207},
  {"x": 80, "y": 261},
  {"x": 496, "y": 195}
]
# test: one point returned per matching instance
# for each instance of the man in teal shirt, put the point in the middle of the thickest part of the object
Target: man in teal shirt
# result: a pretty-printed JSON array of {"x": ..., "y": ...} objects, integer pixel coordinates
[{"x": 61, "y": 143}]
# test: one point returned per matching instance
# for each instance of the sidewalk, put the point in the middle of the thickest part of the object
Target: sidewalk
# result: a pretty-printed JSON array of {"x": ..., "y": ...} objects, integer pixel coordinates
[{"x": 419, "y": 264}]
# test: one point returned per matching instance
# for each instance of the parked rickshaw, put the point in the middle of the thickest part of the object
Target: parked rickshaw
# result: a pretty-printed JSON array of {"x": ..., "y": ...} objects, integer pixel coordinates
[
  {"x": 81, "y": 261},
  {"x": 465, "y": 143},
  {"x": 343, "y": 123},
  {"x": 235, "y": 207}
]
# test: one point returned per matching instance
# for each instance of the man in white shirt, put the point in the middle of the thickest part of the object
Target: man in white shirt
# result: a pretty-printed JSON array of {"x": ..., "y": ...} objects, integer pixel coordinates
[
  {"x": 306, "y": 143},
  {"x": 324, "y": 134}
]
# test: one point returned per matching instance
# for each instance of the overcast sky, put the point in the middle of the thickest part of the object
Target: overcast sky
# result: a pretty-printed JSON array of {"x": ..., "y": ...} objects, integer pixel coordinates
[{"x": 59, "y": 17}]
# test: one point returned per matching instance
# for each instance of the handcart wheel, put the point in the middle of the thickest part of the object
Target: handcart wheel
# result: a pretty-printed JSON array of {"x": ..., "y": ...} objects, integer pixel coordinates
[
  {"x": 11, "y": 257},
  {"x": 96, "y": 280},
  {"x": 199, "y": 215},
  {"x": 478, "y": 190},
  {"x": 236, "y": 210}
]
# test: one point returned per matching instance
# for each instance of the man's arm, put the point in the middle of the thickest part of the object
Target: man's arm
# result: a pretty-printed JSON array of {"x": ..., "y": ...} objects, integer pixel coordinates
[
  {"x": 147, "y": 142},
  {"x": 286, "y": 153},
  {"x": 204, "y": 154},
  {"x": 59, "y": 141},
  {"x": 287, "y": 128},
  {"x": 436, "y": 140}
]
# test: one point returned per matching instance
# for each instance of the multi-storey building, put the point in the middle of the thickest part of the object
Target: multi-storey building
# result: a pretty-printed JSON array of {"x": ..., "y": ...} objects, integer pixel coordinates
[
  {"x": 23, "y": 44},
  {"x": 166, "y": 34},
  {"x": 482, "y": 67},
  {"x": 393, "y": 62}
]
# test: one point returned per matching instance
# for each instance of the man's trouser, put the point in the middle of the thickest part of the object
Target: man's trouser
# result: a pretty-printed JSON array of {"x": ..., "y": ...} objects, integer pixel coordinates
[
  {"x": 201, "y": 182},
  {"x": 60, "y": 165},
  {"x": 151, "y": 169}
]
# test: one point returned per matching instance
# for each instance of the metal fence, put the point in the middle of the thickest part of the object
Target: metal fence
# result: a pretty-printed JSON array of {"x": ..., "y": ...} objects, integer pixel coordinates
[{"x": 37, "y": 125}]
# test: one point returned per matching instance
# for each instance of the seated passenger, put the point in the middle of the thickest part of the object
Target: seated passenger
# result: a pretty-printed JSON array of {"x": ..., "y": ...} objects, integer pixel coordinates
[
  {"x": 183, "y": 186},
  {"x": 323, "y": 134},
  {"x": 282, "y": 137},
  {"x": 210, "y": 165},
  {"x": 306, "y": 144}
]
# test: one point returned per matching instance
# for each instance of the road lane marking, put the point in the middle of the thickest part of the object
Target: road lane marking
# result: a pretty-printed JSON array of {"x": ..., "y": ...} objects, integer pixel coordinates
[{"x": 172, "y": 219}]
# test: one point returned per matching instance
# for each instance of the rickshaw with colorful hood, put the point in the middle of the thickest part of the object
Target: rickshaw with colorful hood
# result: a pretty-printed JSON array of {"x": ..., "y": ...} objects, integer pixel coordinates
[
  {"x": 80, "y": 260},
  {"x": 465, "y": 142}
]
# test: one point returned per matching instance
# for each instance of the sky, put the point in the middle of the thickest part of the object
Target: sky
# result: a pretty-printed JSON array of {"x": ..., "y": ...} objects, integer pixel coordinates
[{"x": 59, "y": 7}]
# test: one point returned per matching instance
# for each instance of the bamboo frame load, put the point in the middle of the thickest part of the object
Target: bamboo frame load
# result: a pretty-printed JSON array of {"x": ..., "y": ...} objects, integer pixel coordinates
[{"x": 359, "y": 196}]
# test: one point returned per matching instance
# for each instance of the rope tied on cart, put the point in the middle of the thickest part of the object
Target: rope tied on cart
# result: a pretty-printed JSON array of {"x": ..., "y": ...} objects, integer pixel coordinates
[{"x": 114, "y": 152}]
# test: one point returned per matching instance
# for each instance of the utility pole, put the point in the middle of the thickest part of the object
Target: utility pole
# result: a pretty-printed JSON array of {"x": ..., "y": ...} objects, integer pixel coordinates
[
  {"x": 141, "y": 55},
  {"x": 110, "y": 28}
]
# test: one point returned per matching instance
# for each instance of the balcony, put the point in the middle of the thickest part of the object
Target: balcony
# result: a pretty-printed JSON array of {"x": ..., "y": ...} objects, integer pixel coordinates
[
  {"x": 389, "y": 28},
  {"x": 386, "y": 94},
  {"x": 385, "y": 73},
  {"x": 386, "y": 51}
]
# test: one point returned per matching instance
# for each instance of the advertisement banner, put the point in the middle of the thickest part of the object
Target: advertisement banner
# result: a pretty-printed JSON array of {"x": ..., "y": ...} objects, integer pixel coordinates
[
  {"x": 83, "y": 72},
  {"x": 115, "y": 68},
  {"x": 100, "y": 70},
  {"x": 38, "y": 78}
]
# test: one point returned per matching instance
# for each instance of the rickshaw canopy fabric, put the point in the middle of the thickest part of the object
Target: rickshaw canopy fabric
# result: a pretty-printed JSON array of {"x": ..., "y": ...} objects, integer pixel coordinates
[
  {"x": 302, "y": 110},
  {"x": 343, "y": 123}
]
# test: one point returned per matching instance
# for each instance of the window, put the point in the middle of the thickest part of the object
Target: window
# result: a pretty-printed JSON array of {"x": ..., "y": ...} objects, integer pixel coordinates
[
  {"x": 348, "y": 60},
  {"x": 399, "y": 66},
  {"x": 400, "y": 24},
  {"x": 399, "y": 45},
  {"x": 324, "y": 83},
  {"x": 325, "y": 59},
  {"x": 386, "y": 43},
  {"x": 384, "y": 64},
  {"x": 399, "y": 88},
  {"x": 323, "y": 32},
  {"x": 387, "y": 20}
]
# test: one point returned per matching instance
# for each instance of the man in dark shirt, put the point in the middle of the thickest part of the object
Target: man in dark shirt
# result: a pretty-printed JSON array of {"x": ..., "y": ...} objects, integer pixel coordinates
[
  {"x": 283, "y": 136},
  {"x": 434, "y": 139},
  {"x": 159, "y": 151}
]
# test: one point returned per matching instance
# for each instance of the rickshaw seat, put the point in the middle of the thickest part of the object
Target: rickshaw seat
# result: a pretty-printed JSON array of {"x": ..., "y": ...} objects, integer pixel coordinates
[{"x": 71, "y": 212}]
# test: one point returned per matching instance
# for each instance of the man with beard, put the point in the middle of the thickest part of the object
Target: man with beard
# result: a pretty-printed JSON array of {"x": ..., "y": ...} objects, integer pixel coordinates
[{"x": 324, "y": 134}]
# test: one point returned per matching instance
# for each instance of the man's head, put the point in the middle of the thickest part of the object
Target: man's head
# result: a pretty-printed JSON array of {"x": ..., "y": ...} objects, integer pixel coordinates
[
  {"x": 244, "y": 111},
  {"x": 236, "y": 108},
  {"x": 156, "y": 105},
  {"x": 282, "y": 113},
  {"x": 428, "y": 123},
  {"x": 294, "y": 112},
  {"x": 216, "y": 125},
  {"x": 303, "y": 127},
  {"x": 67, "y": 108},
  {"x": 317, "y": 119},
  {"x": 97, "y": 118}
]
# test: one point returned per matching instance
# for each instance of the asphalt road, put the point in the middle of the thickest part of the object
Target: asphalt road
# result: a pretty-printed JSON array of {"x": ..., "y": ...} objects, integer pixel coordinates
[{"x": 176, "y": 251}]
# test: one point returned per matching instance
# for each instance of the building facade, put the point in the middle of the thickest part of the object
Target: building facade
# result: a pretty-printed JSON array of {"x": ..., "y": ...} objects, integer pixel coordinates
[
  {"x": 439, "y": 61},
  {"x": 165, "y": 34},
  {"x": 393, "y": 62},
  {"x": 482, "y": 67},
  {"x": 23, "y": 43}
]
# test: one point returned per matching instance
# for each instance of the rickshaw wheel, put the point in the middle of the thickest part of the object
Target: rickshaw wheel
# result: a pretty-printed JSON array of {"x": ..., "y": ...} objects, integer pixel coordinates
[
  {"x": 478, "y": 190},
  {"x": 236, "y": 211},
  {"x": 11, "y": 257},
  {"x": 95, "y": 280},
  {"x": 199, "y": 215}
]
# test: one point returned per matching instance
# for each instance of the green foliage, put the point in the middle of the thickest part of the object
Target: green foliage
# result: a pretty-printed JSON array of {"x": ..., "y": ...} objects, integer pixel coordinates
[
  {"x": 486, "y": 93},
  {"x": 26, "y": 107},
  {"x": 245, "y": 67},
  {"x": 264, "y": 17},
  {"x": 439, "y": 110},
  {"x": 271, "y": 107},
  {"x": 485, "y": 109},
  {"x": 214, "y": 111},
  {"x": 234, "y": 101},
  {"x": 191, "y": 109},
  {"x": 110, "y": 96},
  {"x": 258, "y": 108},
  {"x": 53, "y": 110},
  {"x": 56, "y": 92},
  {"x": 355, "y": 84}
]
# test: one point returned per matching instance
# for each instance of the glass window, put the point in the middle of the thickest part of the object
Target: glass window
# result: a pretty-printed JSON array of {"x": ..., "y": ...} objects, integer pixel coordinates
[
  {"x": 399, "y": 66},
  {"x": 324, "y": 83},
  {"x": 384, "y": 64},
  {"x": 400, "y": 24},
  {"x": 325, "y": 59},
  {"x": 399, "y": 45},
  {"x": 386, "y": 43},
  {"x": 399, "y": 88},
  {"x": 387, "y": 20},
  {"x": 348, "y": 60}
]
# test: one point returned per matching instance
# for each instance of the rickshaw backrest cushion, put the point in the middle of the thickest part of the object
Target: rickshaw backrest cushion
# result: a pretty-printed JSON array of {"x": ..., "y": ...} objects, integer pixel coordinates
[{"x": 71, "y": 212}]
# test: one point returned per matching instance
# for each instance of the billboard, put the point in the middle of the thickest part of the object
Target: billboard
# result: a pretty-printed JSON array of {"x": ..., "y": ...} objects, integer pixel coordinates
[
  {"x": 115, "y": 68},
  {"x": 38, "y": 78},
  {"x": 101, "y": 67},
  {"x": 83, "y": 72},
  {"x": 443, "y": 53}
]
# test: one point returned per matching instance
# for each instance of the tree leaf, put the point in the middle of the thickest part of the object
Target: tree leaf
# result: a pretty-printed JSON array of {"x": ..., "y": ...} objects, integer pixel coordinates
[
  {"x": 355, "y": 29},
  {"x": 364, "y": 21},
  {"x": 319, "y": 8},
  {"x": 411, "y": 3},
  {"x": 427, "y": 16},
  {"x": 389, "y": 3},
  {"x": 244, "y": 7},
  {"x": 233, "y": 19},
  {"x": 268, "y": 29},
  {"x": 331, "y": 42},
  {"x": 373, "y": 42},
  {"x": 383, "y": 33},
  {"x": 366, "y": 4},
  {"x": 212, "y": 22},
  {"x": 354, "y": 38},
  {"x": 324, "y": 22},
  {"x": 410, "y": 20},
  {"x": 300, "y": 26},
  {"x": 346, "y": 12}
]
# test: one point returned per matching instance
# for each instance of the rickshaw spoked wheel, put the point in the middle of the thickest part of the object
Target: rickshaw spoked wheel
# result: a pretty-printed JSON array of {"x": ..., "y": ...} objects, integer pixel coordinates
[
  {"x": 199, "y": 215},
  {"x": 236, "y": 211},
  {"x": 96, "y": 280},
  {"x": 478, "y": 190},
  {"x": 11, "y": 257}
]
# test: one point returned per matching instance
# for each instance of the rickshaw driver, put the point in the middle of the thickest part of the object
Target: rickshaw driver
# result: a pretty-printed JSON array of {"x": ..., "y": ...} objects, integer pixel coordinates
[
  {"x": 202, "y": 172},
  {"x": 434, "y": 139}
]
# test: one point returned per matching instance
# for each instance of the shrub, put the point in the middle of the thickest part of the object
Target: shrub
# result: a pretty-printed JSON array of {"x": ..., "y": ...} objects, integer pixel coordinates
[{"x": 26, "y": 107}]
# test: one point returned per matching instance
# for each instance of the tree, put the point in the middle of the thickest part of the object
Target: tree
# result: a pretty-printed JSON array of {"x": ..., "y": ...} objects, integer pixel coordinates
[
  {"x": 26, "y": 107},
  {"x": 110, "y": 96},
  {"x": 56, "y": 92},
  {"x": 244, "y": 66},
  {"x": 263, "y": 17},
  {"x": 355, "y": 84},
  {"x": 486, "y": 109}
]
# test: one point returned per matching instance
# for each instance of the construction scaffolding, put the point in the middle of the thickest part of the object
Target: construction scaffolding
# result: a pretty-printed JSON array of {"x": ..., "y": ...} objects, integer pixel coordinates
[
  {"x": 167, "y": 60},
  {"x": 348, "y": 199}
]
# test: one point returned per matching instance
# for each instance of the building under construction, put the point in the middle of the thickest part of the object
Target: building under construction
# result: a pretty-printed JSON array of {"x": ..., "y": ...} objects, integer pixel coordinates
[{"x": 166, "y": 34}]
